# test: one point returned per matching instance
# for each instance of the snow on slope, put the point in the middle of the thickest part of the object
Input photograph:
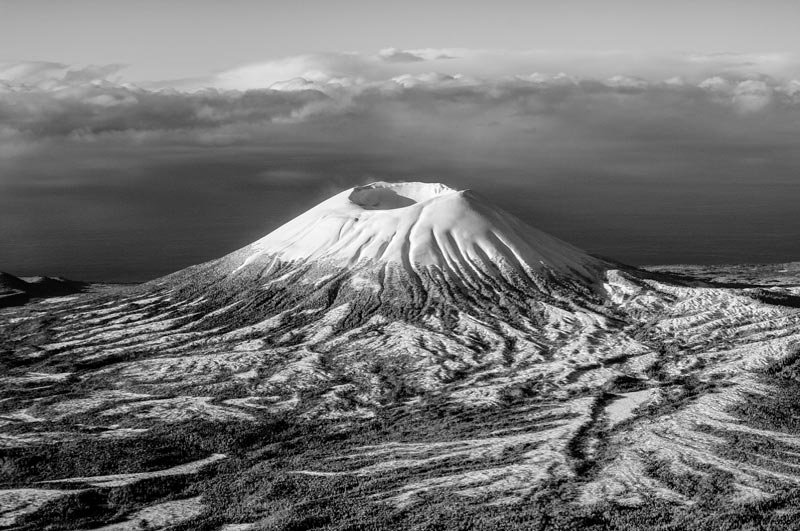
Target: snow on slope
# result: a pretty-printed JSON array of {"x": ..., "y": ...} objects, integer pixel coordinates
[
  {"x": 420, "y": 224},
  {"x": 533, "y": 382}
]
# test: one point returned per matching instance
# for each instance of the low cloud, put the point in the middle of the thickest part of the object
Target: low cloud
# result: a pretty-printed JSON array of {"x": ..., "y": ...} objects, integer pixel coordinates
[
  {"x": 496, "y": 64},
  {"x": 44, "y": 75},
  {"x": 393, "y": 55},
  {"x": 457, "y": 104},
  {"x": 50, "y": 100}
]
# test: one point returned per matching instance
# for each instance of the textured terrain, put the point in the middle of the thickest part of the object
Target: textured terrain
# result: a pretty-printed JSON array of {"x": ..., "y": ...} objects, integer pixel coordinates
[{"x": 407, "y": 357}]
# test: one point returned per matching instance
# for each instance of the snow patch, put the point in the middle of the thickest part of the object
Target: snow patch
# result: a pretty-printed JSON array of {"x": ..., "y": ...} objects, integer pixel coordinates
[{"x": 120, "y": 480}]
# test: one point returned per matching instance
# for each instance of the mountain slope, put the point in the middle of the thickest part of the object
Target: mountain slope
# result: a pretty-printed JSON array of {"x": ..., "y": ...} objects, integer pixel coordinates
[
  {"x": 405, "y": 356},
  {"x": 411, "y": 250}
]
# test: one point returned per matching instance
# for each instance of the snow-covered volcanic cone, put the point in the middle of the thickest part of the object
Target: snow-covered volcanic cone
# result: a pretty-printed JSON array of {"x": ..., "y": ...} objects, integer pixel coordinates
[
  {"x": 420, "y": 225},
  {"x": 405, "y": 250}
]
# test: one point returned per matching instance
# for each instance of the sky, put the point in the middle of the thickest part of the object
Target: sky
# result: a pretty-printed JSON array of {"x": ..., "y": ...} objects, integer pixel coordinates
[
  {"x": 137, "y": 138},
  {"x": 162, "y": 39}
]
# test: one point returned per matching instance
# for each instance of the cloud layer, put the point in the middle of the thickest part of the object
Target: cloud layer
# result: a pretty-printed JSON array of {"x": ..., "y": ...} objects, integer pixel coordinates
[{"x": 456, "y": 93}]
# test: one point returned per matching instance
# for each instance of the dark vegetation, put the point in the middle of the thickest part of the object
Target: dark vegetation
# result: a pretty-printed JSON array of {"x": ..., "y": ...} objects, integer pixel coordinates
[
  {"x": 776, "y": 298},
  {"x": 788, "y": 367},
  {"x": 15, "y": 291},
  {"x": 259, "y": 483}
]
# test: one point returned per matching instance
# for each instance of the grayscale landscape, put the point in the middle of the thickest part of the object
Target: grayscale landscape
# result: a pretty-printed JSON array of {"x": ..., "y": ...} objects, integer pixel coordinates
[{"x": 399, "y": 266}]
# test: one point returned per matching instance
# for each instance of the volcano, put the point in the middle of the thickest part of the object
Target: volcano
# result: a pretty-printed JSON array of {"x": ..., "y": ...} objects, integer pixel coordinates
[
  {"x": 411, "y": 245},
  {"x": 404, "y": 354},
  {"x": 416, "y": 277}
]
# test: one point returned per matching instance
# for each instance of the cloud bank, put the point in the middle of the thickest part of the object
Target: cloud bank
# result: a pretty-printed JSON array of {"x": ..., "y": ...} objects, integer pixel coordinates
[{"x": 455, "y": 95}]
